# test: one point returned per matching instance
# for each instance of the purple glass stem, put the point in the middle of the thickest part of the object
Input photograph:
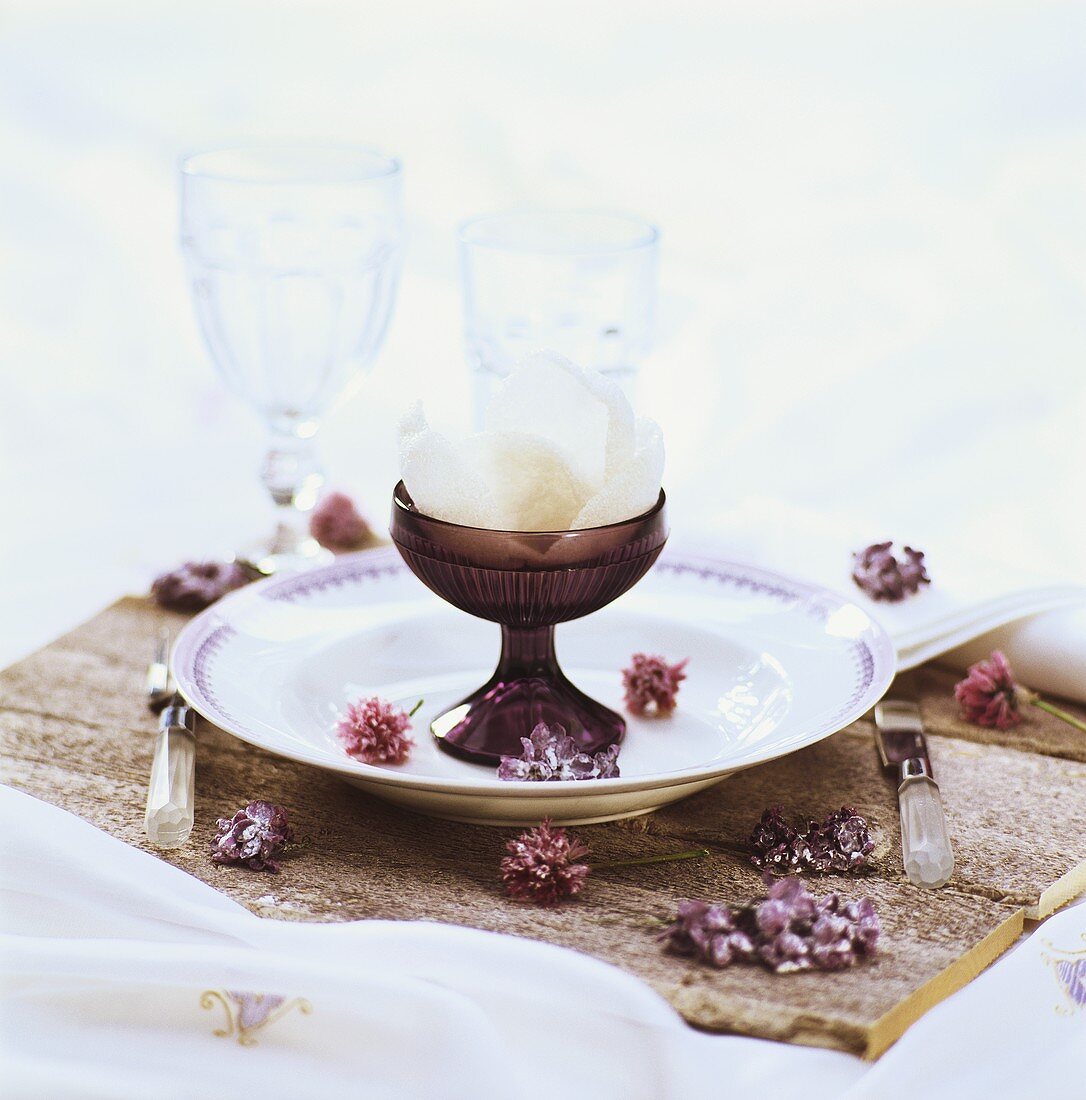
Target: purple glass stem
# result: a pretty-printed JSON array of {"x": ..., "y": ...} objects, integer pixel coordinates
[
  {"x": 527, "y": 652},
  {"x": 527, "y": 687}
]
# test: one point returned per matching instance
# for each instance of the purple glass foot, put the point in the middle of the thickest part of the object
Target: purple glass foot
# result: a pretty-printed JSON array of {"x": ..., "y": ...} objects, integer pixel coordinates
[{"x": 527, "y": 688}]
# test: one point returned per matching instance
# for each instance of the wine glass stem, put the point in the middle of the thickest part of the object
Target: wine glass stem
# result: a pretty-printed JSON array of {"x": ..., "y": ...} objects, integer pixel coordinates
[{"x": 293, "y": 476}]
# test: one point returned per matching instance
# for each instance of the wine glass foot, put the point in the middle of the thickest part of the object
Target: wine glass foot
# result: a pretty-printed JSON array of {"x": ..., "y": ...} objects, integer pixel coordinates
[
  {"x": 280, "y": 554},
  {"x": 490, "y": 723}
]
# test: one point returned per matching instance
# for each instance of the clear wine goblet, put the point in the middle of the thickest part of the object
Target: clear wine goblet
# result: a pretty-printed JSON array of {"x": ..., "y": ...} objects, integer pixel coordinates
[
  {"x": 294, "y": 254},
  {"x": 581, "y": 282}
]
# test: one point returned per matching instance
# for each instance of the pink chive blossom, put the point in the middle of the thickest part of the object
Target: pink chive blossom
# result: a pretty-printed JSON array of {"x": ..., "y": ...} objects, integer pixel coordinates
[
  {"x": 885, "y": 577},
  {"x": 198, "y": 584},
  {"x": 254, "y": 836},
  {"x": 375, "y": 732},
  {"x": 652, "y": 684},
  {"x": 543, "y": 865},
  {"x": 337, "y": 524},
  {"x": 988, "y": 695}
]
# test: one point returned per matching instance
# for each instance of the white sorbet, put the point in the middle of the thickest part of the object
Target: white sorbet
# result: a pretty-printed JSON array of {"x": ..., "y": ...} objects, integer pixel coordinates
[{"x": 562, "y": 451}]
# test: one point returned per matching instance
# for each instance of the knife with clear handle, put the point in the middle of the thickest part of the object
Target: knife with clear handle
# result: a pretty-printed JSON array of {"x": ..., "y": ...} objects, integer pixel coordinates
[
  {"x": 171, "y": 792},
  {"x": 925, "y": 844}
]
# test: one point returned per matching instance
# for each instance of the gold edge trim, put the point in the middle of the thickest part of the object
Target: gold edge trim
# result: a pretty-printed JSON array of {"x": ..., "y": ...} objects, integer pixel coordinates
[
  {"x": 1065, "y": 888},
  {"x": 887, "y": 1029}
]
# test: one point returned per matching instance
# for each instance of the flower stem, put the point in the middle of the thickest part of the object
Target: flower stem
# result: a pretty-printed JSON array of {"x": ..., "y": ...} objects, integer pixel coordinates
[
  {"x": 414, "y": 710},
  {"x": 669, "y": 857},
  {"x": 1037, "y": 701}
]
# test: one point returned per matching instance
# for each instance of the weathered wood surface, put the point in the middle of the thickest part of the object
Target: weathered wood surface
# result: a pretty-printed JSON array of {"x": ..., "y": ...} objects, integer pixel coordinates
[{"x": 75, "y": 733}]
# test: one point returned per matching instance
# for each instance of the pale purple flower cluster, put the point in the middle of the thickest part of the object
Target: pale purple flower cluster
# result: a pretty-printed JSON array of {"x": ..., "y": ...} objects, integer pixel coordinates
[
  {"x": 544, "y": 865},
  {"x": 885, "y": 577},
  {"x": 550, "y": 754},
  {"x": 198, "y": 584},
  {"x": 254, "y": 836},
  {"x": 839, "y": 844},
  {"x": 708, "y": 932},
  {"x": 786, "y": 931}
]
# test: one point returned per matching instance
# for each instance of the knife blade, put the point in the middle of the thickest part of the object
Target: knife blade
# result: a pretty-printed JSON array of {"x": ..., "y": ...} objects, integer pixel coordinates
[{"x": 926, "y": 851}]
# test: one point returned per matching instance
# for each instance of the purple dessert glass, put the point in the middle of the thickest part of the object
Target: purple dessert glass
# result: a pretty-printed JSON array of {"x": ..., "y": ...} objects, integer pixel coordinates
[{"x": 528, "y": 581}]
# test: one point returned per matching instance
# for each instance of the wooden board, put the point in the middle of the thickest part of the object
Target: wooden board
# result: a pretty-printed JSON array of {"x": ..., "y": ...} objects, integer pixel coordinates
[{"x": 75, "y": 733}]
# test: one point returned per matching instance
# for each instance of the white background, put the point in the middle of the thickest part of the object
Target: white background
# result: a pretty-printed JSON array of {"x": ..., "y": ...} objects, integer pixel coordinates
[
  {"x": 873, "y": 282},
  {"x": 873, "y": 278}
]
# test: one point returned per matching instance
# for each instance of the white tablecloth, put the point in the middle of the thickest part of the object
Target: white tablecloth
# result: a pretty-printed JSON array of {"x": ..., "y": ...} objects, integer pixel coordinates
[
  {"x": 872, "y": 307},
  {"x": 119, "y": 968}
]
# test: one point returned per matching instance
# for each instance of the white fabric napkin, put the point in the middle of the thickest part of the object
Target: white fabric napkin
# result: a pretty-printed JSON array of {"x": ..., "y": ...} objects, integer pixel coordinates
[
  {"x": 1040, "y": 621},
  {"x": 118, "y": 970}
]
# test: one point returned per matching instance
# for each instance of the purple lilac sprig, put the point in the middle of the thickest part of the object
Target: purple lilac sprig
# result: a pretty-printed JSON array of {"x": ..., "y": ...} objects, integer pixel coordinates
[
  {"x": 550, "y": 754},
  {"x": 990, "y": 696},
  {"x": 254, "y": 837},
  {"x": 195, "y": 585},
  {"x": 839, "y": 844},
  {"x": 786, "y": 931},
  {"x": 886, "y": 577}
]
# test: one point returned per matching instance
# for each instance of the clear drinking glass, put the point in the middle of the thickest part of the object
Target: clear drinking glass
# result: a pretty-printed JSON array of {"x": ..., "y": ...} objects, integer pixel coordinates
[
  {"x": 294, "y": 256},
  {"x": 580, "y": 282}
]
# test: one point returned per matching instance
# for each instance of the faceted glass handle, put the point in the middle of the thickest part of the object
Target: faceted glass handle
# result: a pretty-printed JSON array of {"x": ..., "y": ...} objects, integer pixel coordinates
[
  {"x": 925, "y": 845},
  {"x": 171, "y": 793}
]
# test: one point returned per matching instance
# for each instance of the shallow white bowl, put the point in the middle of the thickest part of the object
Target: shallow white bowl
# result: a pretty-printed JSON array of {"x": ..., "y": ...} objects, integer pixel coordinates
[{"x": 775, "y": 665}]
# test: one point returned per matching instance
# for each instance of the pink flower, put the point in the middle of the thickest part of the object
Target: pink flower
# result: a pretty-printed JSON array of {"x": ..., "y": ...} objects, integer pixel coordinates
[
  {"x": 337, "y": 525},
  {"x": 542, "y": 865},
  {"x": 652, "y": 684},
  {"x": 988, "y": 695},
  {"x": 375, "y": 732}
]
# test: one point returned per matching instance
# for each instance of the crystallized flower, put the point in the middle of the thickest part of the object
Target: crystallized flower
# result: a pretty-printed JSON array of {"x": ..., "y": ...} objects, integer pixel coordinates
[
  {"x": 542, "y": 865},
  {"x": 253, "y": 836},
  {"x": 786, "y": 931},
  {"x": 337, "y": 525},
  {"x": 776, "y": 846},
  {"x": 550, "y": 755},
  {"x": 198, "y": 584},
  {"x": 652, "y": 684},
  {"x": 841, "y": 843},
  {"x": 884, "y": 577},
  {"x": 375, "y": 732},
  {"x": 988, "y": 695}
]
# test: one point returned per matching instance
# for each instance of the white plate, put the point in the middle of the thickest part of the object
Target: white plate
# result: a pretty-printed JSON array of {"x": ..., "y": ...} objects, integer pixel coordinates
[{"x": 774, "y": 665}]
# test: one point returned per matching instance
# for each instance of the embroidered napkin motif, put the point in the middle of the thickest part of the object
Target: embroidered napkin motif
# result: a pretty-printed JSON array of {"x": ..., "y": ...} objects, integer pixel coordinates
[{"x": 247, "y": 1013}]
